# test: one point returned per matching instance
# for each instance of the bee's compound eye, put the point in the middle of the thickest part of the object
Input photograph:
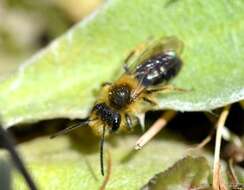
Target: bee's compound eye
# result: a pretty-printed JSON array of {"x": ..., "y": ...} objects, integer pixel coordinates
[{"x": 116, "y": 122}]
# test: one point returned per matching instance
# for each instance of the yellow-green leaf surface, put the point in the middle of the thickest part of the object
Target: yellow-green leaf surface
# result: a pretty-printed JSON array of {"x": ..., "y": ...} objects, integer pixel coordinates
[
  {"x": 56, "y": 164},
  {"x": 188, "y": 173},
  {"x": 60, "y": 80},
  {"x": 73, "y": 163}
]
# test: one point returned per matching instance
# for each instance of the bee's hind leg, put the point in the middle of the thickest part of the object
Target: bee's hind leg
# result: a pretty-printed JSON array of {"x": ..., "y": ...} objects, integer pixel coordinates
[{"x": 166, "y": 89}]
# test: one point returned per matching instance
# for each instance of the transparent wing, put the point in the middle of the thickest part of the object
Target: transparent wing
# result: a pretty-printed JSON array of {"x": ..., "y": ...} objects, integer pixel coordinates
[{"x": 150, "y": 49}]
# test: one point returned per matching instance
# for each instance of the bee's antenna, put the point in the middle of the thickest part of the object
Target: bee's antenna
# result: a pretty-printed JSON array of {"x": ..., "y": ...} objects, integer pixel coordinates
[
  {"x": 8, "y": 143},
  {"x": 101, "y": 150},
  {"x": 73, "y": 126}
]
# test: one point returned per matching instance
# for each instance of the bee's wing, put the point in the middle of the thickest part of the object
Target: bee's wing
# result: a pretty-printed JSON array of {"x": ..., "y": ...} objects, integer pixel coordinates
[
  {"x": 149, "y": 50},
  {"x": 154, "y": 47}
]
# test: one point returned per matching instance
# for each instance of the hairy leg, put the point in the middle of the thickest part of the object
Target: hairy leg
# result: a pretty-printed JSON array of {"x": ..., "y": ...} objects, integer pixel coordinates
[
  {"x": 150, "y": 101},
  {"x": 166, "y": 89},
  {"x": 128, "y": 121}
]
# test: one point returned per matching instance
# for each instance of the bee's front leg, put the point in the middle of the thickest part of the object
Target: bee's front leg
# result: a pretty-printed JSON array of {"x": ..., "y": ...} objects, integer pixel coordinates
[{"x": 126, "y": 61}]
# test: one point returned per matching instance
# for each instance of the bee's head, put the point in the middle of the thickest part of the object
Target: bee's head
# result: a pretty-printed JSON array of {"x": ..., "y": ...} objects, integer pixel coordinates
[
  {"x": 110, "y": 120},
  {"x": 110, "y": 117}
]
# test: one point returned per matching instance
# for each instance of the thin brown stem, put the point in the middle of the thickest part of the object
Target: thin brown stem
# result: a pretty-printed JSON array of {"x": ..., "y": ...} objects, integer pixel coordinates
[
  {"x": 217, "y": 179},
  {"x": 233, "y": 178},
  {"x": 154, "y": 129},
  {"x": 203, "y": 143},
  {"x": 108, "y": 173}
]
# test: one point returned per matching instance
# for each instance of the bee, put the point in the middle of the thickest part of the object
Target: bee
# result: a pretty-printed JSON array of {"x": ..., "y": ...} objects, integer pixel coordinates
[{"x": 147, "y": 70}]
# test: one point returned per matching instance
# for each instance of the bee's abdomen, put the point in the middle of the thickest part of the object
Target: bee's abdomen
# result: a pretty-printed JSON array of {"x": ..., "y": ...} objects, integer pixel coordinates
[
  {"x": 109, "y": 116},
  {"x": 158, "y": 69}
]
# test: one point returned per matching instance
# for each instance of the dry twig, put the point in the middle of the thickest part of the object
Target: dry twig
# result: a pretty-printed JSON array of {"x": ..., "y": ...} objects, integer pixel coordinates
[{"x": 154, "y": 129}]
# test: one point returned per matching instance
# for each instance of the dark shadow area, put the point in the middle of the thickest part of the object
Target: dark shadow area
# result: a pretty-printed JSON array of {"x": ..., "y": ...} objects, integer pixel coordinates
[
  {"x": 84, "y": 141},
  {"x": 235, "y": 120},
  {"x": 192, "y": 127},
  {"x": 26, "y": 132}
]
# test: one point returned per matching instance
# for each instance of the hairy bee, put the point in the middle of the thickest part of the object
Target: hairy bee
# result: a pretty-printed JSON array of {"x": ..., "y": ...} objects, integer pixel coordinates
[{"x": 147, "y": 70}]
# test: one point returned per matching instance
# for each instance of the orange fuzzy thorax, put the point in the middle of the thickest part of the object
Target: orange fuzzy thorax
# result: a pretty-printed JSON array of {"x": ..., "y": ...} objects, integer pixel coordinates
[{"x": 134, "y": 106}]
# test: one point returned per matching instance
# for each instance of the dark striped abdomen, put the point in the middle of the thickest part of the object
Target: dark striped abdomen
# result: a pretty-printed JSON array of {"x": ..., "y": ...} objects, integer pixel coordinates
[{"x": 158, "y": 69}]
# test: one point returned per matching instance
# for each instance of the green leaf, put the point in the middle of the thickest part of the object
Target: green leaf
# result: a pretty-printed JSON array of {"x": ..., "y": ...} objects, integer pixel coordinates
[
  {"x": 64, "y": 164},
  {"x": 188, "y": 173},
  {"x": 60, "y": 80},
  {"x": 73, "y": 163}
]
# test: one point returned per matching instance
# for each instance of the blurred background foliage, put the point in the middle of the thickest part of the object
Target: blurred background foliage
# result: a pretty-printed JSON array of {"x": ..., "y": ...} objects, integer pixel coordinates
[{"x": 26, "y": 26}]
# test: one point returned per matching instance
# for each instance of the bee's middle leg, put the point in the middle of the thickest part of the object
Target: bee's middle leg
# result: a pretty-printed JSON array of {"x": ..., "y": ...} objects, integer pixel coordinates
[
  {"x": 150, "y": 100},
  {"x": 128, "y": 121}
]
